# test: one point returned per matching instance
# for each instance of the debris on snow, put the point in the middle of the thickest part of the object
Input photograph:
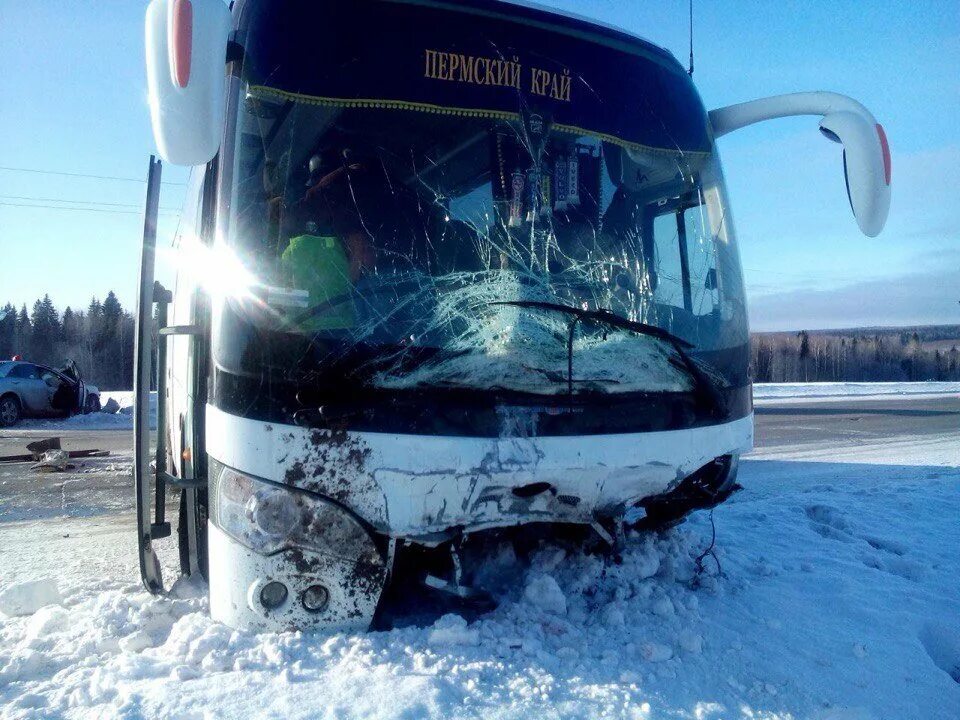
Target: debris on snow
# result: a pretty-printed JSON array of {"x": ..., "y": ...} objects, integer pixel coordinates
[{"x": 53, "y": 461}]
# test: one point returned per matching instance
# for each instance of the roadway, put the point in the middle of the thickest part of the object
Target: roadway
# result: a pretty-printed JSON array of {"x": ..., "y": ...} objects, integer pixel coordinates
[{"x": 829, "y": 420}]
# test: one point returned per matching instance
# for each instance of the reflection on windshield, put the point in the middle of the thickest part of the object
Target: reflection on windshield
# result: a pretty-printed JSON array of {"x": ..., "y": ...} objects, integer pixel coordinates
[{"x": 386, "y": 237}]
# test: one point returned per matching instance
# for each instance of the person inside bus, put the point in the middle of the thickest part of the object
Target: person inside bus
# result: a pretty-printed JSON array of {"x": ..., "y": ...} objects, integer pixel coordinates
[{"x": 332, "y": 253}]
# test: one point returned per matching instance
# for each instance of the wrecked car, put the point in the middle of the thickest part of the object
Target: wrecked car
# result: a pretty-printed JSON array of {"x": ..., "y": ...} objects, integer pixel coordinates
[
  {"x": 31, "y": 390},
  {"x": 459, "y": 271}
]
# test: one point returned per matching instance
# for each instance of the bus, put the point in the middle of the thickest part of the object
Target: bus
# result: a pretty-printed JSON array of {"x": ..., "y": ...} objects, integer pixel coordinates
[{"x": 450, "y": 273}]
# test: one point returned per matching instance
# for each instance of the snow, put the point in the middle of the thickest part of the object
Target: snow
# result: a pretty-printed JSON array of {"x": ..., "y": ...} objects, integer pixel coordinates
[
  {"x": 764, "y": 393},
  {"x": 544, "y": 593},
  {"x": 942, "y": 643},
  {"x": 452, "y": 629},
  {"x": 28, "y": 597},
  {"x": 834, "y": 597}
]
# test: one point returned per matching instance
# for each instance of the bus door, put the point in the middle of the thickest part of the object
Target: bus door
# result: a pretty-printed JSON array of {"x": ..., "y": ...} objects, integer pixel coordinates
[{"x": 181, "y": 387}]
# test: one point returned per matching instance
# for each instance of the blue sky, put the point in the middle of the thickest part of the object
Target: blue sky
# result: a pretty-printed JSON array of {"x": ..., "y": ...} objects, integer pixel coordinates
[{"x": 73, "y": 100}]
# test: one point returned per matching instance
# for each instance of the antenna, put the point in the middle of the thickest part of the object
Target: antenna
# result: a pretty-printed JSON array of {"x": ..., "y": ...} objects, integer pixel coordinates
[{"x": 690, "y": 70}]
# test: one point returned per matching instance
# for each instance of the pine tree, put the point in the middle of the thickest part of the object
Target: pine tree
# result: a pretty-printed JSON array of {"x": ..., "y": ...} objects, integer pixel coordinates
[
  {"x": 45, "y": 332},
  {"x": 8, "y": 331},
  {"x": 110, "y": 340},
  {"x": 94, "y": 321},
  {"x": 21, "y": 335},
  {"x": 70, "y": 328},
  {"x": 804, "y": 353}
]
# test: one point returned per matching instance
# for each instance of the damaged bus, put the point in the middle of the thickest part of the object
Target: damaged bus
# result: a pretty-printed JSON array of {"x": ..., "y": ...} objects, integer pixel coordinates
[{"x": 446, "y": 271}]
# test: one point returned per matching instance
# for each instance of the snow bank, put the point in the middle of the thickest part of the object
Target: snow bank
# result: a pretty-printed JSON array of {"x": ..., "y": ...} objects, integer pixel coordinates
[
  {"x": 26, "y": 598},
  {"x": 781, "y": 391},
  {"x": 550, "y": 641}
]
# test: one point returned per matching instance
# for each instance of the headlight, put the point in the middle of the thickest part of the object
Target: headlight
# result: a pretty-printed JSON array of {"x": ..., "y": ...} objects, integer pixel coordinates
[{"x": 268, "y": 518}]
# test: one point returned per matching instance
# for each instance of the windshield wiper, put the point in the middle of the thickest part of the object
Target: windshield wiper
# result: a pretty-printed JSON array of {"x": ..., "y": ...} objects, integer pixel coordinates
[{"x": 702, "y": 383}]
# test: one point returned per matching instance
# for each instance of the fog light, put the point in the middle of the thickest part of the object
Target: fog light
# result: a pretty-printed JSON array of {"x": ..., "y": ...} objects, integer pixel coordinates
[
  {"x": 315, "y": 598},
  {"x": 273, "y": 594}
]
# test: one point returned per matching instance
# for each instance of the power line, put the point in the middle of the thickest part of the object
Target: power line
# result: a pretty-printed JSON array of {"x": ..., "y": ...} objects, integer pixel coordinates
[
  {"x": 79, "y": 202},
  {"x": 80, "y": 209},
  {"x": 84, "y": 175}
]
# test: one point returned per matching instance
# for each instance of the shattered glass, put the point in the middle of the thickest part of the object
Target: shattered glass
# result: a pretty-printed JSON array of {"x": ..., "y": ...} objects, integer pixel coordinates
[{"x": 382, "y": 239}]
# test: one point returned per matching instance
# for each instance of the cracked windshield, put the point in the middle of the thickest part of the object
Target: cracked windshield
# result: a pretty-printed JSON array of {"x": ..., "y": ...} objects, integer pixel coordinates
[{"x": 415, "y": 240}]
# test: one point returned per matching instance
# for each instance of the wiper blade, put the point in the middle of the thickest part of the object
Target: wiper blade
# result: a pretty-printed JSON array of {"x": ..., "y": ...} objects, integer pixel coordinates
[
  {"x": 607, "y": 317},
  {"x": 603, "y": 316}
]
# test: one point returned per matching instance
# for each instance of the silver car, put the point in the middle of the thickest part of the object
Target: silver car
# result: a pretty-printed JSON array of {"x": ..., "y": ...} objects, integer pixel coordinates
[{"x": 31, "y": 390}]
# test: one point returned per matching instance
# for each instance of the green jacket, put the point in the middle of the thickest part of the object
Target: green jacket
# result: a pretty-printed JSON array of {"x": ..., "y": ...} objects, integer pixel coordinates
[{"x": 319, "y": 265}]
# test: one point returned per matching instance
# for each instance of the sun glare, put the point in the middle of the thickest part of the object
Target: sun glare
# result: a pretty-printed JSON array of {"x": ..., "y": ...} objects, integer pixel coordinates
[{"x": 216, "y": 268}]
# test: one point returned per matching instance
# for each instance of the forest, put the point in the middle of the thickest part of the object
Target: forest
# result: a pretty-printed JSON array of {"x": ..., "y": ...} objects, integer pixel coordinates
[
  {"x": 858, "y": 355},
  {"x": 100, "y": 339}
]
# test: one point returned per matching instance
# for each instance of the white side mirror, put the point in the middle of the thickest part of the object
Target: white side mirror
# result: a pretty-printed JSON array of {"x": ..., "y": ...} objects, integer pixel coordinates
[
  {"x": 866, "y": 154},
  {"x": 866, "y": 167},
  {"x": 186, "y": 49}
]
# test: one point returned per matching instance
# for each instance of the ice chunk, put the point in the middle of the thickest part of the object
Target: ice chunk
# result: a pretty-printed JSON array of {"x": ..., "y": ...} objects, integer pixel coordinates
[
  {"x": 135, "y": 642},
  {"x": 452, "y": 629},
  {"x": 26, "y": 598},
  {"x": 544, "y": 592},
  {"x": 647, "y": 562},
  {"x": 49, "y": 619},
  {"x": 111, "y": 406},
  {"x": 655, "y": 652},
  {"x": 612, "y": 616},
  {"x": 690, "y": 641},
  {"x": 664, "y": 607}
]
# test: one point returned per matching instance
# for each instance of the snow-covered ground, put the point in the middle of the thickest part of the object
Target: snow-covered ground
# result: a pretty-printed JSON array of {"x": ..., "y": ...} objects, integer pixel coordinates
[
  {"x": 835, "y": 596},
  {"x": 121, "y": 420},
  {"x": 769, "y": 392}
]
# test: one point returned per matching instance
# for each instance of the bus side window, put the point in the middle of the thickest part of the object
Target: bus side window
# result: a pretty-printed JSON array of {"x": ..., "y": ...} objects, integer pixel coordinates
[
  {"x": 701, "y": 260},
  {"x": 667, "y": 263}
]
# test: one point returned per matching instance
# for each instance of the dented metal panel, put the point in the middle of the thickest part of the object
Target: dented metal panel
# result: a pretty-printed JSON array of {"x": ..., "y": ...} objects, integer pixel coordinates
[{"x": 406, "y": 485}]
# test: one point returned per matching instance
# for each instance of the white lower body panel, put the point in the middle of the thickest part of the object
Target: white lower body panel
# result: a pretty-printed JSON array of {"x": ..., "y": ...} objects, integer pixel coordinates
[
  {"x": 414, "y": 486},
  {"x": 238, "y": 575}
]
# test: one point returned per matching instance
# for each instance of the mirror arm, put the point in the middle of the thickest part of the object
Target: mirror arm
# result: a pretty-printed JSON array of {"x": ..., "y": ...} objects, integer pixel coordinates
[
  {"x": 733, "y": 117},
  {"x": 866, "y": 153}
]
